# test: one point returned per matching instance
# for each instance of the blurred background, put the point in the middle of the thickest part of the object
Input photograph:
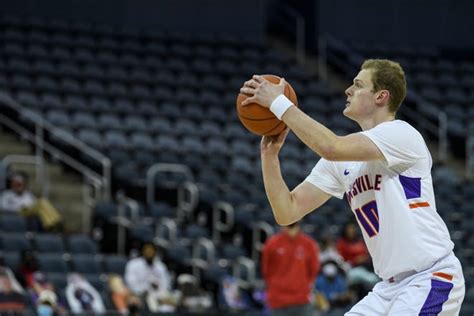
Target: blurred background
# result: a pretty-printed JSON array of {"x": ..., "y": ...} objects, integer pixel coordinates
[{"x": 119, "y": 130}]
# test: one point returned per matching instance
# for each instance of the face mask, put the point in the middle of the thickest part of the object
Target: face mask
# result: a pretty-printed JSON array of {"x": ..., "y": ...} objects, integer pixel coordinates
[{"x": 45, "y": 310}]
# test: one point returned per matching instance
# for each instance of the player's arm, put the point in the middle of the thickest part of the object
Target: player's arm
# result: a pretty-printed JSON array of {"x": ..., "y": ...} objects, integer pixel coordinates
[
  {"x": 287, "y": 206},
  {"x": 352, "y": 147}
]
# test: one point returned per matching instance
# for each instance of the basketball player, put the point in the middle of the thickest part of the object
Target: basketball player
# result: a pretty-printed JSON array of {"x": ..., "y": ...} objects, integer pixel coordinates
[{"x": 385, "y": 173}]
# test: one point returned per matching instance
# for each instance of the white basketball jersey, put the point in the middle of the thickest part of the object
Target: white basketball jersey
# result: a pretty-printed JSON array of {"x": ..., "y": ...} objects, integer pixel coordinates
[{"x": 393, "y": 200}]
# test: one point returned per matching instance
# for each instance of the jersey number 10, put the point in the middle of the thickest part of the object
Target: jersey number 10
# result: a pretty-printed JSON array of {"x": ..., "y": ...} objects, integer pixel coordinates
[{"x": 368, "y": 216}]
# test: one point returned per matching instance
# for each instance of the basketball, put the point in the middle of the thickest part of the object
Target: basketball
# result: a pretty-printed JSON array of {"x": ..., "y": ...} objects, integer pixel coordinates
[{"x": 260, "y": 120}]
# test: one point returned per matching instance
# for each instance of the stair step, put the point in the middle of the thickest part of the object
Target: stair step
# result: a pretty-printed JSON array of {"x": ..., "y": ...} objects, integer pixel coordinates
[{"x": 14, "y": 149}]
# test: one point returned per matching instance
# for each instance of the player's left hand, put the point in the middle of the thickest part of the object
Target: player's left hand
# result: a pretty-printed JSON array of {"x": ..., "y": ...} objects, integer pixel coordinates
[{"x": 262, "y": 91}]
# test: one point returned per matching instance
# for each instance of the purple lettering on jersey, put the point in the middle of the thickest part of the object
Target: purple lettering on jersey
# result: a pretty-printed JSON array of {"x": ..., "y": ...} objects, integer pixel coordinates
[
  {"x": 411, "y": 186},
  {"x": 378, "y": 180},
  {"x": 369, "y": 185},
  {"x": 358, "y": 185},
  {"x": 439, "y": 294}
]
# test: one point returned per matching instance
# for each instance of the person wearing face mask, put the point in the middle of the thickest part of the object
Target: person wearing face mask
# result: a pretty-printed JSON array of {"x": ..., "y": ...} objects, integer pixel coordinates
[
  {"x": 332, "y": 284},
  {"x": 290, "y": 264},
  {"x": 148, "y": 277}
]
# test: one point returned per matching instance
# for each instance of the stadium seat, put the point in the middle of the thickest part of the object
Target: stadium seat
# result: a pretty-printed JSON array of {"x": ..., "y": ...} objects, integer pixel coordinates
[
  {"x": 82, "y": 244},
  {"x": 86, "y": 264},
  {"x": 14, "y": 242},
  {"x": 49, "y": 243},
  {"x": 12, "y": 223},
  {"x": 52, "y": 262},
  {"x": 115, "y": 264}
]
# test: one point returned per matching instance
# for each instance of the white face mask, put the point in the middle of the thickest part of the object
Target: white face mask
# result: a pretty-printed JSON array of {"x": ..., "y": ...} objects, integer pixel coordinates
[{"x": 45, "y": 310}]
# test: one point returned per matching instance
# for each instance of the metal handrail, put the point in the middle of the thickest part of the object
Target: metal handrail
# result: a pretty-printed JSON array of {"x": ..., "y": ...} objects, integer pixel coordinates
[
  {"x": 222, "y": 226},
  {"x": 163, "y": 167},
  {"x": 257, "y": 230},
  {"x": 470, "y": 157},
  {"x": 38, "y": 139},
  {"x": 300, "y": 32}
]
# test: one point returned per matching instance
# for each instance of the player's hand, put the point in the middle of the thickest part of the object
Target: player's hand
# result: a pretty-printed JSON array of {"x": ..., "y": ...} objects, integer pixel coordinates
[
  {"x": 271, "y": 145},
  {"x": 262, "y": 91}
]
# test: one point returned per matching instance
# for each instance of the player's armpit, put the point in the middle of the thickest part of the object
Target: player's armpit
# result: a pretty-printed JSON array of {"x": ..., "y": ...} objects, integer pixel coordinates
[
  {"x": 354, "y": 147},
  {"x": 305, "y": 198}
]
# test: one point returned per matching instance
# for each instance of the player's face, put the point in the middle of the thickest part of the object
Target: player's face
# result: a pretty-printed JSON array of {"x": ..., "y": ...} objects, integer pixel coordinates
[{"x": 360, "y": 97}]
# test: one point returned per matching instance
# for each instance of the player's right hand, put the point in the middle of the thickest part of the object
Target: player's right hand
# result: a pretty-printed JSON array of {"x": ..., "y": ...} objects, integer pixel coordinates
[{"x": 271, "y": 145}]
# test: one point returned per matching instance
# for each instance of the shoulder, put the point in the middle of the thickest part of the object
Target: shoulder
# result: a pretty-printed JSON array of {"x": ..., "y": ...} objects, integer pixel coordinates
[{"x": 398, "y": 128}]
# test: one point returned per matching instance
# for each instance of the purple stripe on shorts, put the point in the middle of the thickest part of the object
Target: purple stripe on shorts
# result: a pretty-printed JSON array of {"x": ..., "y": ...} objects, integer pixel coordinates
[
  {"x": 439, "y": 294},
  {"x": 411, "y": 186}
]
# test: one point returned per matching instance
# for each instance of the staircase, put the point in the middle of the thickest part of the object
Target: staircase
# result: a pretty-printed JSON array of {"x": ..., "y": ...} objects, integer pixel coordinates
[{"x": 66, "y": 188}]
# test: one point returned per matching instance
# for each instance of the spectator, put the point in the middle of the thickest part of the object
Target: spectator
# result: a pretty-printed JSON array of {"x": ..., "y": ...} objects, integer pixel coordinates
[
  {"x": 231, "y": 296},
  {"x": 18, "y": 199},
  {"x": 193, "y": 298},
  {"x": 28, "y": 266},
  {"x": 330, "y": 253},
  {"x": 332, "y": 284},
  {"x": 147, "y": 276},
  {"x": 123, "y": 299},
  {"x": 11, "y": 293},
  {"x": 43, "y": 295},
  {"x": 290, "y": 264},
  {"x": 81, "y": 296},
  {"x": 351, "y": 247}
]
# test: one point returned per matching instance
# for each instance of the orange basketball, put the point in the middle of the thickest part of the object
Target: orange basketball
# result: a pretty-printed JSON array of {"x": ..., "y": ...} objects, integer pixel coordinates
[{"x": 260, "y": 120}]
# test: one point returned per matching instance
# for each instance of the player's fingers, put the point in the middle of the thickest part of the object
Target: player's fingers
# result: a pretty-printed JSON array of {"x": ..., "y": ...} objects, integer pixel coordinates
[
  {"x": 251, "y": 83},
  {"x": 258, "y": 78},
  {"x": 248, "y": 90},
  {"x": 249, "y": 100},
  {"x": 282, "y": 82},
  {"x": 282, "y": 135}
]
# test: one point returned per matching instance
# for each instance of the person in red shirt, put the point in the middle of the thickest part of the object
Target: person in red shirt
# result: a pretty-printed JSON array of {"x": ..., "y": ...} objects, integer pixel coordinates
[
  {"x": 351, "y": 247},
  {"x": 290, "y": 264}
]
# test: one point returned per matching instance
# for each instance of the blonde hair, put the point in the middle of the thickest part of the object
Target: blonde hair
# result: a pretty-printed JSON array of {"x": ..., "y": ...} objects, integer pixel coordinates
[{"x": 388, "y": 75}]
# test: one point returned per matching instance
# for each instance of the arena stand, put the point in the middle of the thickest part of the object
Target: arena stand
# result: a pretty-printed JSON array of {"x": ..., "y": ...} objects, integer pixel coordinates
[{"x": 143, "y": 98}]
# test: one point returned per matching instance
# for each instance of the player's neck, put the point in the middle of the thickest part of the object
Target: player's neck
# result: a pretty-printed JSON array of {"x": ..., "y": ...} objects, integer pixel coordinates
[{"x": 378, "y": 118}]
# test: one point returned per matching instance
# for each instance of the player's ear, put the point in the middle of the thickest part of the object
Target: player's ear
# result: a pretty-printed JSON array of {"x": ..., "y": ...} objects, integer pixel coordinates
[{"x": 382, "y": 96}]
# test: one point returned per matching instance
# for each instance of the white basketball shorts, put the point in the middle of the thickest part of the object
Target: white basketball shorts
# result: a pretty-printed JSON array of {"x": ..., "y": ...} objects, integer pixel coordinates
[{"x": 438, "y": 290}]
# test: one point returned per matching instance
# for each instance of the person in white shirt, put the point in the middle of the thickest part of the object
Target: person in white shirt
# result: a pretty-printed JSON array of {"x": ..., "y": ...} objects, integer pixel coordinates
[
  {"x": 148, "y": 276},
  {"x": 385, "y": 174},
  {"x": 17, "y": 197}
]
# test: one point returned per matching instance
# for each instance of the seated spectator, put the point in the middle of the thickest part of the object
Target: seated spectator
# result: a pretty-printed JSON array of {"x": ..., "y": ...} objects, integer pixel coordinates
[
  {"x": 193, "y": 298},
  {"x": 43, "y": 295},
  {"x": 12, "y": 301},
  {"x": 328, "y": 252},
  {"x": 231, "y": 296},
  {"x": 332, "y": 285},
  {"x": 47, "y": 304},
  {"x": 352, "y": 248},
  {"x": 28, "y": 266},
  {"x": 81, "y": 296},
  {"x": 147, "y": 276},
  {"x": 123, "y": 299},
  {"x": 18, "y": 199}
]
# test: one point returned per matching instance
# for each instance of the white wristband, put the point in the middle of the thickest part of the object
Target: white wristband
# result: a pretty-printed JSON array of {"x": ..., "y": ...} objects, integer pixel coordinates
[{"x": 280, "y": 105}]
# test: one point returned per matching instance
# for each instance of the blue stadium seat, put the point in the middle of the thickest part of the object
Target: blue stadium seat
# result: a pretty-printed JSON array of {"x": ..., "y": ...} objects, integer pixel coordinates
[
  {"x": 52, "y": 262},
  {"x": 49, "y": 243},
  {"x": 12, "y": 223},
  {"x": 115, "y": 264},
  {"x": 86, "y": 264},
  {"x": 14, "y": 242},
  {"x": 82, "y": 244}
]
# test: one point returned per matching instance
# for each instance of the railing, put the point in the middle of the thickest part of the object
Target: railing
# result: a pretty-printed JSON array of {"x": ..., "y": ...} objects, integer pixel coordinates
[
  {"x": 293, "y": 16},
  {"x": 98, "y": 181},
  {"x": 258, "y": 230},
  {"x": 222, "y": 226},
  {"x": 470, "y": 157},
  {"x": 188, "y": 193}
]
